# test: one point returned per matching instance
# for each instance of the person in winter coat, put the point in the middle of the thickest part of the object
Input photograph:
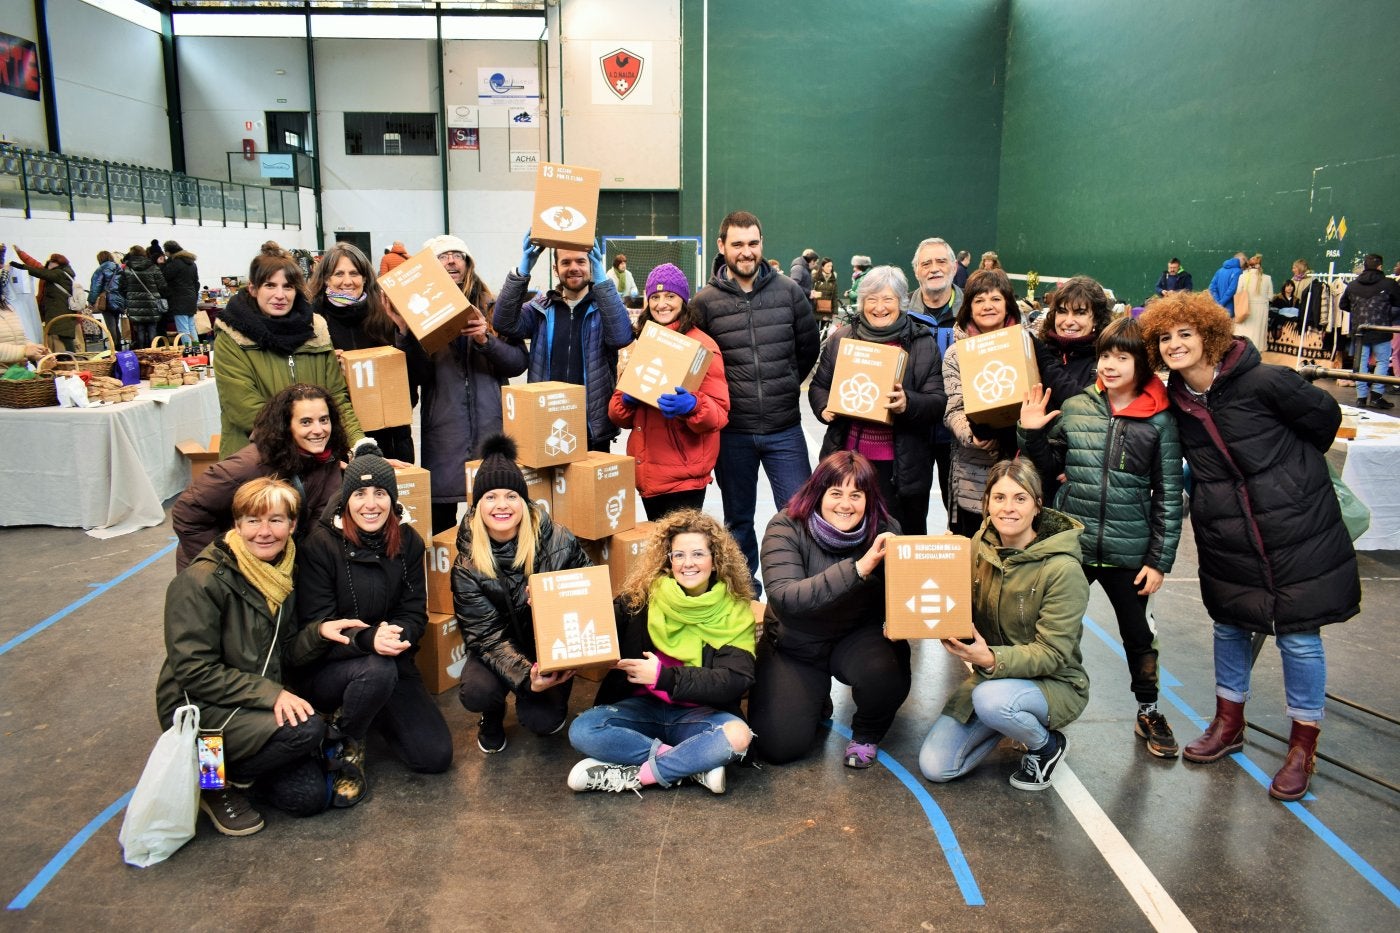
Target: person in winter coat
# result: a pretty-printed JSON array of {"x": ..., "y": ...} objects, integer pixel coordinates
[
  {"x": 395, "y": 257},
  {"x": 461, "y": 384},
  {"x": 1064, "y": 349},
  {"x": 988, "y": 304},
  {"x": 143, "y": 286},
  {"x": 801, "y": 271},
  {"x": 574, "y": 330},
  {"x": 1173, "y": 279},
  {"x": 1372, "y": 299},
  {"x": 182, "y": 275},
  {"x": 361, "y": 564},
  {"x": 1117, "y": 446},
  {"x": 1225, "y": 282},
  {"x": 265, "y": 340},
  {"x": 677, "y": 444},
  {"x": 15, "y": 345},
  {"x": 622, "y": 280},
  {"x": 298, "y": 437},
  {"x": 670, "y": 709},
  {"x": 1275, "y": 557},
  {"x": 231, "y": 640},
  {"x": 859, "y": 266},
  {"x": 1027, "y": 679},
  {"x": 56, "y": 278},
  {"x": 107, "y": 281},
  {"x": 901, "y": 451},
  {"x": 503, "y": 540},
  {"x": 823, "y": 559},
  {"x": 935, "y": 304}
]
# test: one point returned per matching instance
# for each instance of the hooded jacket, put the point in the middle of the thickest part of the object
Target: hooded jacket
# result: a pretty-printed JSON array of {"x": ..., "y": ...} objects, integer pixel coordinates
[
  {"x": 107, "y": 279},
  {"x": 182, "y": 275},
  {"x": 1224, "y": 283},
  {"x": 1372, "y": 299},
  {"x": 142, "y": 288},
  {"x": 1181, "y": 282},
  {"x": 1029, "y": 606},
  {"x": 1274, "y": 555},
  {"x": 397, "y": 255},
  {"x": 1122, "y": 475},
  {"x": 769, "y": 341},
  {"x": 968, "y": 470}
]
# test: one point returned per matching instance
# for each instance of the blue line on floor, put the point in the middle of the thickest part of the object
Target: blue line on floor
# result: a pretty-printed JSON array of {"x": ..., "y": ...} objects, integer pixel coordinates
[
  {"x": 942, "y": 829},
  {"x": 98, "y": 590},
  {"x": 32, "y": 889},
  {"x": 1347, "y": 854}
]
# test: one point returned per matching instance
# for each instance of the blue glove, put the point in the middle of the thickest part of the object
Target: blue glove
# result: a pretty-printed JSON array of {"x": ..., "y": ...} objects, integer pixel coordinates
[
  {"x": 597, "y": 265},
  {"x": 629, "y": 400},
  {"x": 680, "y": 404},
  {"x": 528, "y": 254}
]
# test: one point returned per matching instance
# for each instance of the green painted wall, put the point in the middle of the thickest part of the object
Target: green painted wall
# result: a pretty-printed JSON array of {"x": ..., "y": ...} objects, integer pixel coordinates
[{"x": 1137, "y": 131}]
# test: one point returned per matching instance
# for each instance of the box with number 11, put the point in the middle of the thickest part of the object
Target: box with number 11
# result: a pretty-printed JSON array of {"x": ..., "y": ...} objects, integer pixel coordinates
[{"x": 378, "y": 381}]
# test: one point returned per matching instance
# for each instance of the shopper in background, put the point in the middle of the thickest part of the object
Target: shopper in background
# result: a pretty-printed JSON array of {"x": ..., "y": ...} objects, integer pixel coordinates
[
  {"x": 56, "y": 278},
  {"x": 143, "y": 286},
  {"x": 393, "y": 257},
  {"x": 1252, "y": 302},
  {"x": 990, "y": 261},
  {"x": 182, "y": 275},
  {"x": 105, "y": 294},
  {"x": 1371, "y": 298},
  {"x": 622, "y": 280}
]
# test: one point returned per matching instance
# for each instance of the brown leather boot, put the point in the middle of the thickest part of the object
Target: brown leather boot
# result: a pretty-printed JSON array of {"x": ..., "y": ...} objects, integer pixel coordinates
[
  {"x": 1224, "y": 735},
  {"x": 1291, "y": 782}
]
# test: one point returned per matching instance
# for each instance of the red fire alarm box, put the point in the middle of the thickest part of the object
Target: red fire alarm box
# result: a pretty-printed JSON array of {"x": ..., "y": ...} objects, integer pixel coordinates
[{"x": 250, "y": 149}]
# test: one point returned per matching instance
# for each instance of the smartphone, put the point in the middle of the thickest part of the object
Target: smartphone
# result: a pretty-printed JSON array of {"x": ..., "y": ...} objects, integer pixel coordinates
[{"x": 211, "y": 762}]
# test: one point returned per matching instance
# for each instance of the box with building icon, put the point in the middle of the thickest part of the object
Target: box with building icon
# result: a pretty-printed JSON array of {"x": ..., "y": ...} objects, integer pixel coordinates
[{"x": 573, "y": 616}]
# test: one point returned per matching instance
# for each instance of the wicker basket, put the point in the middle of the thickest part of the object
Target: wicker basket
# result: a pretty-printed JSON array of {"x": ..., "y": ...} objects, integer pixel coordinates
[
  {"x": 98, "y": 363},
  {"x": 161, "y": 350},
  {"x": 28, "y": 393}
]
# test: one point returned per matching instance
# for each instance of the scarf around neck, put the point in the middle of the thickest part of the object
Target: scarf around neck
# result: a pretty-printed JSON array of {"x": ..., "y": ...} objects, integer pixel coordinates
[
  {"x": 681, "y": 625},
  {"x": 281, "y": 335},
  {"x": 273, "y": 581},
  {"x": 890, "y": 333},
  {"x": 833, "y": 540}
]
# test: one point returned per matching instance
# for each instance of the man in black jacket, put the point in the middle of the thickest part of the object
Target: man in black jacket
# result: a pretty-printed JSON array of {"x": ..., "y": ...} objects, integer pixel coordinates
[
  {"x": 1372, "y": 299},
  {"x": 764, "y": 326}
]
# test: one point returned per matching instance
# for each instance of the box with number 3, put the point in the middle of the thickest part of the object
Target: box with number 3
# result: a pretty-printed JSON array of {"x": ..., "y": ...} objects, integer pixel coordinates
[{"x": 378, "y": 381}]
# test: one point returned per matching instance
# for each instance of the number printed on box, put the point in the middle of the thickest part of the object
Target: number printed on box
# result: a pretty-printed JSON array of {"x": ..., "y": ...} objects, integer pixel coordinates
[
  {"x": 441, "y": 562},
  {"x": 510, "y": 407},
  {"x": 364, "y": 373}
]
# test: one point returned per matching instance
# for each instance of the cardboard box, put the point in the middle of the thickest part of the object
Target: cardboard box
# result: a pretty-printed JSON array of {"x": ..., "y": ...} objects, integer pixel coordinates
[
  {"x": 431, "y": 303},
  {"x": 660, "y": 360},
  {"x": 864, "y": 377},
  {"x": 378, "y": 381},
  {"x": 625, "y": 551},
  {"x": 441, "y": 653},
  {"x": 598, "y": 552},
  {"x": 439, "y": 556},
  {"x": 539, "y": 484},
  {"x": 597, "y": 497},
  {"x": 548, "y": 420},
  {"x": 202, "y": 458},
  {"x": 416, "y": 497},
  {"x": 573, "y": 616},
  {"x": 566, "y": 206},
  {"x": 997, "y": 370},
  {"x": 928, "y": 586}
]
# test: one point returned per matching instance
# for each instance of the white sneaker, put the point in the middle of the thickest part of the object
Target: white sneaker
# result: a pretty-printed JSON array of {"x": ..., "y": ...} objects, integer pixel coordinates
[
  {"x": 714, "y": 779},
  {"x": 592, "y": 774}
]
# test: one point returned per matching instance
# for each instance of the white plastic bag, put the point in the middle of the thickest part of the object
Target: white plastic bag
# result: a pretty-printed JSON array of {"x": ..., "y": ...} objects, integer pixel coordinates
[
  {"x": 161, "y": 815},
  {"x": 71, "y": 391}
]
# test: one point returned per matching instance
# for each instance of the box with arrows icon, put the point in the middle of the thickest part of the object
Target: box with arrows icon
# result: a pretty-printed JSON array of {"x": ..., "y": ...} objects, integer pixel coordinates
[
  {"x": 928, "y": 586},
  {"x": 660, "y": 360}
]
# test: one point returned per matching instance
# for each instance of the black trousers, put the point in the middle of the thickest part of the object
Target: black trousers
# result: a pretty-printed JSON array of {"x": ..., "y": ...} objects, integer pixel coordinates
[
  {"x": 1135, "y": 627},
  {"x": 943, "y": 458},
  {"x": 659, "y": 506},
  {"x": 482, "y": 691},
  {"x": 287, "y": 745},
  {"x": 444, "y": 516},
  {"x": 966, "y": 524},
  {"x": 388, "y": 695}
]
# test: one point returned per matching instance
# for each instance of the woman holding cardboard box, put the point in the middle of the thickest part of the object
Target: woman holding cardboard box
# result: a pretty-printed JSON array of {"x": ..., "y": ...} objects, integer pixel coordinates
[
  {"x": 1027, "y": 678},
  {"x": 902, "y": 450},
  {"x": 823, "y": 564},
  {"x": 503, "y": 540},
  {"x": 675, "y": 445},
  {"x": 670, "y": 709}
]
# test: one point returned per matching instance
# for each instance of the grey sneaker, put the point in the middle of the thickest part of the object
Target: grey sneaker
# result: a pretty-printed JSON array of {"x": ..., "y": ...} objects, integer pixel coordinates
[
  {"x": 230, "y": 812},
  {"x": 713, "y": 780},
  {"x": 592, "y": 774}
]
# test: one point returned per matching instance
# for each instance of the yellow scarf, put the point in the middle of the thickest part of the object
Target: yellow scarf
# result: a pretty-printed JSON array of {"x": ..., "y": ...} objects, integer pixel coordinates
[{"x": 273, "y": 581}]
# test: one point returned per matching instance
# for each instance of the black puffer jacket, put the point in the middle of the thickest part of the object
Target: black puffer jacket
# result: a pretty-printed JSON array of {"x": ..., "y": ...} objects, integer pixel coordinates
[
  {"x": 142, "y": 288},
  {"x": 769, "y": 341},
  {"x": 182, "y": 275},
  {"x": 913, "y": 428},
  {"x": 492, "y": 613},
  {"x": 1274, "y": 554},
  {"x": 1066, "y": 369},
  {"x": 1372, "y": 299}
]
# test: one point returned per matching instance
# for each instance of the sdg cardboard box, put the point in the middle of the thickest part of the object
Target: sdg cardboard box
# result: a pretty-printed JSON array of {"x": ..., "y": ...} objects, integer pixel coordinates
[
  {"x": 439, "y": 556},
  {"x": 538, "y": 484},
  {"x": 597, "y": 497},
  {"x": 416, "y": 497},
  {"x": 997, "y": 370},
  {"x": 928, "y": 586},
  {"x": 548, "y": 422},
  {"x": 598, "y": 552},
  {"x": 864, "y": 377},
  {"x": 431, "y": 303},
  {"x": 660, "y": 360},
  {"x": 202, "y": 458},
  {"x": 378, "y": 381},
  {"x": 441, "y": 653},
  {"x": 566, "y": 206},
  {"x": 625, "y": 551},
  {"x": 573, "y": 616}
]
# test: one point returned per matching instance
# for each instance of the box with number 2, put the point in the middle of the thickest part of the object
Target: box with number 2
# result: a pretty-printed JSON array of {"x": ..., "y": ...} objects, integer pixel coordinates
[{"x": 378, "y": 381}]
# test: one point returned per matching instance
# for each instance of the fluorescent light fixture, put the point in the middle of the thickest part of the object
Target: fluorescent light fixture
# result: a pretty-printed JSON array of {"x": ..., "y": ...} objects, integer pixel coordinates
[
  {"x": 260, "y": 25},
  {"x": 131, "y": 11}
]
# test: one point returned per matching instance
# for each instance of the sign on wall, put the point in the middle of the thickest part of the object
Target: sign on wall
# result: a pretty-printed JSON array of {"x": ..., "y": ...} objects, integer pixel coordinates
[
  {"x": 463, "y": 115},
  {"x": 463, "y": 137},
  {"x": 622, "y": 73},
  {"x": 507, "y": 87},
  {"x": 276, "y": 165},
  {"x": 524, "y": 160},
  {"x": 19, "y": 67}
]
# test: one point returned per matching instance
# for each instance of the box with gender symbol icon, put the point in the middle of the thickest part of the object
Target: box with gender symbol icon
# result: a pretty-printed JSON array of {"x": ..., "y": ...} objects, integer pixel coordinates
[
  {"x": 997, "y": 369},
  {"x": 431, "y": 303},
  {"x": 928, "y": 586},
  {"x": 660, "y": 360},
  {"x": 596, "y": 498},
  {"x": 547, "y": 421},
  {"x": 865, "y": 375}
]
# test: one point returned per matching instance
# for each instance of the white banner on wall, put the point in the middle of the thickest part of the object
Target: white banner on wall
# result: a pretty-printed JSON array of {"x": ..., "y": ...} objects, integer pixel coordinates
[
  {"x": 466, "y": 116},
  {"x": 621, "y": 73},
  {"x": 524, "y": 160},
  {"x": 507, "y": 87}
]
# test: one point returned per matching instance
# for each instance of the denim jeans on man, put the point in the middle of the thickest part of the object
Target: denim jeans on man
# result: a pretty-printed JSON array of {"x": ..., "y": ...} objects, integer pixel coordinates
[
  {"x": 184, "y": 323},
  {"x": 626, "y": 732},
  {"x": 783, "y": 456},
  {"x": 1374, "y": 359},
  {"x": 1304, "y": 669},
  {"x": 1012, "y": 708}
]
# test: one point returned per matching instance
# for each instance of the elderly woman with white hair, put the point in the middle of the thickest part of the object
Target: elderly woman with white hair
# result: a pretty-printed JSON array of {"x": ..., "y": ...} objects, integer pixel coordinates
[{"x": 902, "y": 449}]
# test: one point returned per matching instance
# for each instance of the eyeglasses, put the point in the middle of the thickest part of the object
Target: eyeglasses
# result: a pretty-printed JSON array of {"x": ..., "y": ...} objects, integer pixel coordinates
[{"x": 678, "y": 557}]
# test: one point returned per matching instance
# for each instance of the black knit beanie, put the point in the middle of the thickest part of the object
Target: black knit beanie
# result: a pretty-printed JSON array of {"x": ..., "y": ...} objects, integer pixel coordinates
[
  {"x": 369, "y": 470},
  {"x": 498, "y": 469}
]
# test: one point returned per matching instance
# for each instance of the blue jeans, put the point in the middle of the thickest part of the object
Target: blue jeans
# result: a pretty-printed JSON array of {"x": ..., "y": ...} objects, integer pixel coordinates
[
  {"x": 628, "y": 732},
  {"x": 1304, "y": 669},
  {"x": 184, "y": 323},
  {"x": 1373, "y": 359},
  {"x": 1012, "y": 708},
  {"x": 784, "y": 458}
]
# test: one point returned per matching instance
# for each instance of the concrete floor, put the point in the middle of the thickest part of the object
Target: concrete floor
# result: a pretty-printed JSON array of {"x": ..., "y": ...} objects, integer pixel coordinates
[{"x": 1123, "y": 841}]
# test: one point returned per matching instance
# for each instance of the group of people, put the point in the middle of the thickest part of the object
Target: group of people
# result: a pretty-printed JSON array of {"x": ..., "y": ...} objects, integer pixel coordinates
[{"x": 1086, "y": 487}]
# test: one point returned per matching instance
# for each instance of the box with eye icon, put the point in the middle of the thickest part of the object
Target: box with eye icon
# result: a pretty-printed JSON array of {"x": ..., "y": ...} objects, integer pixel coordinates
[
  {"x": 596, "y": 498},
  {"x": 566, "y": 206}
]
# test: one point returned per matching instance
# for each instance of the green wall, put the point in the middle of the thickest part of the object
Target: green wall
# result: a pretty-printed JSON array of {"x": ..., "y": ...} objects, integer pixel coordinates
[
  {"x": 1137, "y": 131},
  {"x": 847, "y": 127}
]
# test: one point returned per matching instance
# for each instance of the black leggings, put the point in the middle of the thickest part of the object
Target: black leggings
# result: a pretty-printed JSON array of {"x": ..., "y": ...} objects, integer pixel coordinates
[
  {"x": 1135, "y": 627},
  {"x": 659, "y": 506},
  {"x": 482, "y": 691}
]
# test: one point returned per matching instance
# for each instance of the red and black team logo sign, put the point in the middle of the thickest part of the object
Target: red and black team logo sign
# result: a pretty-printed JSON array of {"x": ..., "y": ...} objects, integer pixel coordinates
[
  {"x": 19, "y": 67},
  {"x": 622, "y": 70}
]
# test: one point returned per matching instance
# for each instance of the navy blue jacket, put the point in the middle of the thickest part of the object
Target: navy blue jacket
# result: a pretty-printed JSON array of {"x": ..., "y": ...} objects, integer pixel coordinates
[{"x": 1181, "y": 282}]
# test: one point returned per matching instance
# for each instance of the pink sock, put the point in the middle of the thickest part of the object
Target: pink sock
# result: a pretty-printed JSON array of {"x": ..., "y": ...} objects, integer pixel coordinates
[{"x": 645, "y": 775}]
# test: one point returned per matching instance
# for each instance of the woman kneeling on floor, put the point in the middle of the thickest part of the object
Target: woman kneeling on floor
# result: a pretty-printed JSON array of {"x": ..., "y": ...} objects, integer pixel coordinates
[
  {"x": 823, "y": 563},
  {"x": 230, "y": 637},
  {"x": 1029, "y": 596},
  {"x": 363, "y": 566},
  {"x": 502, "y": 541},
  {"x": 670, "y": 709}
]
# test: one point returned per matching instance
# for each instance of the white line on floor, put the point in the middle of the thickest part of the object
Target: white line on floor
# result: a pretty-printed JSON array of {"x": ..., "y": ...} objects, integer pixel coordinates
[{"x": 1154, "y": 901}]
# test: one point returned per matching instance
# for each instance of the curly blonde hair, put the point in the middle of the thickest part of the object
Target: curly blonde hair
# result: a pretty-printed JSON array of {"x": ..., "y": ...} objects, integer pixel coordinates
[
  {"x": 1196, "y": 310},
  {"x": 730, "y": 567}
]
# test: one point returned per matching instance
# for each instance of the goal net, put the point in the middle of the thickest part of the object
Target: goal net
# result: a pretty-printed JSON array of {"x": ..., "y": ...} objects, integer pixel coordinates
[{"x": 645, "y": 253}]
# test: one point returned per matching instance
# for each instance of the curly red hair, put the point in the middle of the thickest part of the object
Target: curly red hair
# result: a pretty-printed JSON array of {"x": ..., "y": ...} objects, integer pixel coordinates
[{"x": 1196, "y": 310}]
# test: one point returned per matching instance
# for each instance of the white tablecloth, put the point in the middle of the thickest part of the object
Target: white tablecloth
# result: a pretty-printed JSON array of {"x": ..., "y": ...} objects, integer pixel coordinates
[
  {"x": 107, "y": 469},
  {"x": 1368, "y": 466}
]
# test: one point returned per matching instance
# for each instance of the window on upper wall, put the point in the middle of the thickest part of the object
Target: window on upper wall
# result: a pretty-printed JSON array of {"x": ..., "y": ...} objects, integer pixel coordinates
[{"x": 391, "y": 134}]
